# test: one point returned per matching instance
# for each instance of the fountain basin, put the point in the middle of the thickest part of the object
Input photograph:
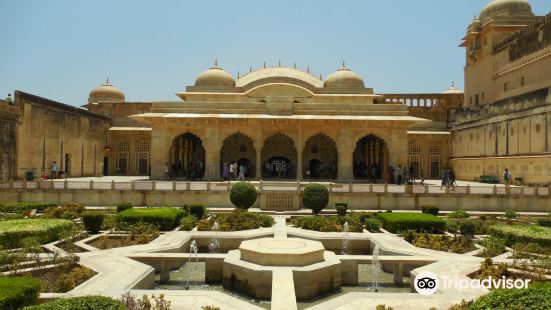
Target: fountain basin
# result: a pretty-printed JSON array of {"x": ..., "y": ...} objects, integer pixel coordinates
[{"x": 281, "y": 252}]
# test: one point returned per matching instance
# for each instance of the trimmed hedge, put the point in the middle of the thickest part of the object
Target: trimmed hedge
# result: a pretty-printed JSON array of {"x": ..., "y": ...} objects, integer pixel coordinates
[
  {"x": 467, "y": 228},
  {"x": 536, "y": 296},
  {"x": 17, "y": 292},
  {"x": 315, "y": 197},
  {"x": 341, "y": 208},
  {"x": 430, "y": 210},
  {"x": 236, "y": 220},
  {"x": 21, "y": 207},
  {"x": 165, "y": 218},
  {"x": 188, "y": 222},
  {"x": 123, "y": 206},
  {"x": 93, "y": 221},
  {"x": 243, "y": 195},
  {"x": 44, "y": 230},
  {"x": 523, "y": 234},
  {"x": 329, "y": 223},
  {"x": 197, "y": 210},
  {"x": 81, "y": 303},
  {"x": 545, "y": 222},
  {"x": 398, "y": 222}
]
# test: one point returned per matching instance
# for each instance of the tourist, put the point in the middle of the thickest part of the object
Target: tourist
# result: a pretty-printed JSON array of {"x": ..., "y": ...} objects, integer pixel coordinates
[
  {"x": 54, "y": 170},
  {"x": 179, "y": 168},
  {"x": 373, "y": 175},
  {"x": 167, "y": 174},
  {"x": 241, "y": 172},
  {"x": 201, "y": 170},
  {"x": 452, "y": 178},
  {"x": 225, "y": 171},
  {"x": 232, "y": 172},
  {"x": 398, "y": 175},
  {"x": 411, "y": 175},
  {"x": 507, "y": 177},
  {"x": 267, "y": 169},
  {"x": 445, "y": 178}
]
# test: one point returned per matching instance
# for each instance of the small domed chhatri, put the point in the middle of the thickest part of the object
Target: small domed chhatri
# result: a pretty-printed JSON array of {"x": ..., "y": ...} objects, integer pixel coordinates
[
  {"x": 215, "y": 76},
  {"x": 506, "y": 8},
  {"x": 344, "y": 78},
  {"x": 105, "y": 93},
  {"x": 452, "y": 90}
]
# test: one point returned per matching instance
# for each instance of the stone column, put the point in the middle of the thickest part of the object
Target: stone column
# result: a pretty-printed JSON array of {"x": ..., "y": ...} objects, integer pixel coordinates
[
  {"x": 300, "y": 148},
  {"x": 258, "y": 143},
  {"x": 160, "y": 143},
  {"x": 398, "y": 147},
  {"x": 212, "y": 153},
  {"x": 345, "y": 149}
]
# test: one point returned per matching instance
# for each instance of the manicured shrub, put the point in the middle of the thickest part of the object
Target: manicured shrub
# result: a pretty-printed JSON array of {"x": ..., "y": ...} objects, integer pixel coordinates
[
  {"x": 430, "y": 210},
  {"x": 523, "y": 234},
  {"x": 243, "y": 195},
  {"x": 165, "y": 218},
  {"x": 493, "y": 246},
  {"x": 73, "y": 278},
  {"x": 235, "y": 221},
  {"x": 467, "y": 229},
  {"x": 536, "y": 296},
  {"x": 452, "y": 226},
  {"x": 315, "y": 197},
  {"x": 93, "y": 221},
  {"x": 188, "y": 222},
  {"x": 511, "y": 214},
  {"x": 341, "y": 207},
  {"x": 439, "y": 242},
  {"x": 20, "y": 207},
  {"x": 197, "y": 210},
  {"x": 44, "y": 230},
  {"x": 81, "y": 303},
  {"x": 124, "y": 206},
  {"x": 544, "y": 222},
  {"x": 398, "y": 222},
  {"x": 373, "y": 224},
  {"x": 459, "y": 214},
  {"x": 17, "y": 292},
  {"x": 329, "y": 223}
]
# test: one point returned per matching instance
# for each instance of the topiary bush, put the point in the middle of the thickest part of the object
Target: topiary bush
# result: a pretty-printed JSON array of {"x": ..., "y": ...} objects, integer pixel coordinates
[
  {"x": 188, "y": 222},
  {"x": 92, "y": 221},
  {"x": 236, "y": 220},
  {"x": 68, "y": 211},
  {"x": 467, "y": 229},
  {"x": 165, "y": 218},
  {"x": 430, "y": 210},
  {"x": 511, "y": 214},
  {"x": 536, "y": 296},
  {"x": 459, "y": 214},
  {"x": 197, "y": 210},
  {"x": 123, "y": 206},
  {"x": 315, "y": 197},
  {"x": 17, "y": 292},
  {"x": 81, "y": 303},
  {"x": 243, "y": 195},
  {"x": 43, "y": 230},
  {"x": 398, "y": 222},
  {"x": 341, "y": 207}
]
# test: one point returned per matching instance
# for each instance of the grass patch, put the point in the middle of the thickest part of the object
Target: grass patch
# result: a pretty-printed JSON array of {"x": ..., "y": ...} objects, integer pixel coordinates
[
  {"x": 399, "y": 222},
  {"x": 43, "y": 230},
  {"x": 81, "y": 303},
  {"x": 523, "y": 234},
  {"x": 455, "y": 244},
  {"x": 17, "y": 292}
]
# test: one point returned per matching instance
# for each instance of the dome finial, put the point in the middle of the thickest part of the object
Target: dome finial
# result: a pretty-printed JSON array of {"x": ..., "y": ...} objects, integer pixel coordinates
[
  {"x": 453, "y": 84},
  {"x": 295, "y": 65},
  {"x": 107, "y": 80},
  {"x": 216, "y": 62},
  {"x": 279, "y": 64},
  {"x": 238, "y": 76},
  {"x": 343, "y": 65},
  {"x": 264, "y": 64},
  {"x": 321, "y": 78}
]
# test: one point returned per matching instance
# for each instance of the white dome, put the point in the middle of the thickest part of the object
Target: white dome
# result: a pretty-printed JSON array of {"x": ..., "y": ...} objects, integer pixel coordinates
[
  {"x": 105, "y": 92},
  {"x": 506, "y": 8},
  {"x": 344, "y": 77},
  {"x": 215, "y": 76}
]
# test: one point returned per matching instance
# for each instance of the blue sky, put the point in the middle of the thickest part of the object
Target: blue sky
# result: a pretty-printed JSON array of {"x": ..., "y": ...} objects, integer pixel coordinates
[{"x": 61, "y": 49}]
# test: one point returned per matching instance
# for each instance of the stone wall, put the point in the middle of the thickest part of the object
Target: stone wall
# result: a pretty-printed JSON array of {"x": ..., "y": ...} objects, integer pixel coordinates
[
  {"x": 49, "y": 130},
  {"x": 9, "y": 115},
  {"x": 356, "y": 201}
]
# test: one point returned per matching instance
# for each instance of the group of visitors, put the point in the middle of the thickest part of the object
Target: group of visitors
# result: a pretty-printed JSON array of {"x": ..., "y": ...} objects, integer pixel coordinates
[
  {"x": 363, "y": 171},
  {"x": 278, "y": 169},
  {"x": 400, "y": 175},
  {"x": 233, "y": 171},
  {"x": 448, "y": 177},
  {"x": 194, "y": 171}
]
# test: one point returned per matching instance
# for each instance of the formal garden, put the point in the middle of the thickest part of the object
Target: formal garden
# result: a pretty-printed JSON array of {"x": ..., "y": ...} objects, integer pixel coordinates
[{"x": 42, "y": 244}]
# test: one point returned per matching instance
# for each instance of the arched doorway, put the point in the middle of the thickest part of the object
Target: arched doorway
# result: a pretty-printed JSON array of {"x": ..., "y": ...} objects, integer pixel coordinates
[
  {"x": 279, "y": 157},
  {"x": 370, "y": 157},
  {"x": 187, "y": 157},
  {"x": 239, "y": 148},
  {"x": 319, "y": 158}
]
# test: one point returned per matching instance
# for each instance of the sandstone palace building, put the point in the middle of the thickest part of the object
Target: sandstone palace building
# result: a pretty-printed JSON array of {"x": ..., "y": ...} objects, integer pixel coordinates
[{"x": 330, "y": 129}]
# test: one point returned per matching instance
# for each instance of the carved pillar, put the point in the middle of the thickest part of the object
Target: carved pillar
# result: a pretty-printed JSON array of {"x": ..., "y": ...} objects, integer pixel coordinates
[
  {"x": 160, "y": 140},
  {"x": 258, "y": 144},
  {"x": 345, "y": 148},
  {"x": 212, "y": 153}
]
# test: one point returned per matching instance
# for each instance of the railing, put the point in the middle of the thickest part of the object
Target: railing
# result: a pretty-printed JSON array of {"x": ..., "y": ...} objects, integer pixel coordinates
[{"x": 274, "y": 186}]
